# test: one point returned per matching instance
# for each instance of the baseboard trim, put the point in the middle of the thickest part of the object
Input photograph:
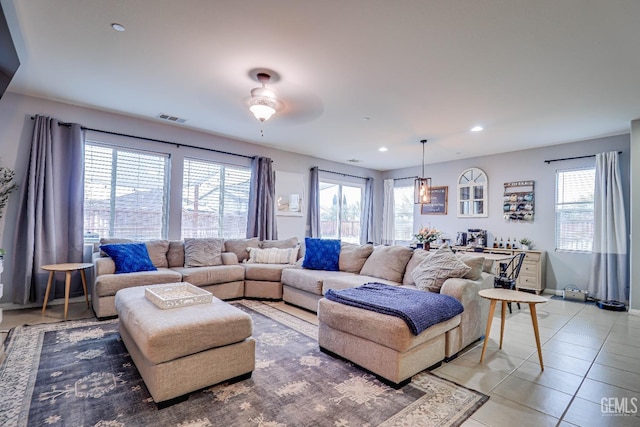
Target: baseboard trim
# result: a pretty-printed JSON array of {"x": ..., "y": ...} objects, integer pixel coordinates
[
  {"x": 58, "y": 301},
  {"x": 634, "y": 312}
]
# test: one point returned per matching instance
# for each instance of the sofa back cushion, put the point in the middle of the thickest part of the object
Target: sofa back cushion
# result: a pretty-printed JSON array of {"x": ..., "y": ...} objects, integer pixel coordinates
[
  {"x": 240, "y": 247},
  {"x": 353, "y": 257},
  {"x": 157, "y": 249},
  {"x": 273, "y": 256},
  {"x": 387, "y": 262},
  {"x": 292, "y": 242},
  {"x": 202, "y": 252},
  {"x": 431, "y": 273},
  {"x": 476, "y": 263},
  {"x": 175, "y": 255},
  {"x": 111, "y": 241},
  {"x": 418, "y": 256},
  {"x": 321, "y": 254}
]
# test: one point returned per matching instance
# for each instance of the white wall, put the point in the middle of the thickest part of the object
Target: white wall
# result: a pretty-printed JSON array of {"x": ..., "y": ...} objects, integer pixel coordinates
[
  {"x": 16, "y": 129},
  {"x": 562, "y": 268}
]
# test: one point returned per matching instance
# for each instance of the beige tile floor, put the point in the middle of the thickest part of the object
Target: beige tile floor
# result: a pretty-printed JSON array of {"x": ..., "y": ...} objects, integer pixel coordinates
[{"x": 589, "y": 355}]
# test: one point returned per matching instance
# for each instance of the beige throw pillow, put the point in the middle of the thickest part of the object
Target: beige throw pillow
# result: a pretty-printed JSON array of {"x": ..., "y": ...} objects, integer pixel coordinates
[
  {"x": 387, "y": 262},
  {"x": 418, "y": 256},
  {"x": 443, "y": 264},
  {"x": 158, "y": 252},
  {"x": 476, "y": 264},
  {"x": 272, "y": 256},
  {"x": 353, "y": 257},
  {"x": 202, "y": 252}
]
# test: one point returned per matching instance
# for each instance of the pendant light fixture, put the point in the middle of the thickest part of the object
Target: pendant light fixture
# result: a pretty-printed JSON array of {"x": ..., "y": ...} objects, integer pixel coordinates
[
  {"x": 422, "y": 189},
  {"x": 263, "y": 100}
]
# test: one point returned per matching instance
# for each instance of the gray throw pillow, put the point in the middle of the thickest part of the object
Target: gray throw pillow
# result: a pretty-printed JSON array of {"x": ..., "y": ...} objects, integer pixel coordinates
[
  {"x": 475, "y": 262},
  {"x": 240, "y": 247},
  {"x": 443, "y": 264},
  {"x": 158, "y": 252},
  {"x": 202, "y": 252},
  {"x": 353, "y": 257},
  {"x": 418, "y": 256},
  {"x": 387, "y": 262}
]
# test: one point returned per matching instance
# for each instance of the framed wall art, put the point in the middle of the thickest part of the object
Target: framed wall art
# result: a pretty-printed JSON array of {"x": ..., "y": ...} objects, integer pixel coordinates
[{"x": 439, "y": 202}]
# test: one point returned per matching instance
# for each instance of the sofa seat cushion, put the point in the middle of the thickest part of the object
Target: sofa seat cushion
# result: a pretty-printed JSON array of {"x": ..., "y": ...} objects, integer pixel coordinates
[
  {"x": 265, "y": 272},
  {"x": 309, "y": 280},
  {"x": 202, "y": 276},
  {"x": 386, "y": 330},
  {"x": 351, "y": 281},
  {"x": 109, "y": 284},
  {"x": 164, "y": 335}
]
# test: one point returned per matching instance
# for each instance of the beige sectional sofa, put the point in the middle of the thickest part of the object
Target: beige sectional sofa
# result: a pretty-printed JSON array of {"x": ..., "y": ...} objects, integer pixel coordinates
[
  {"x": 394, "y": 265},
  {"x": 234, "y": 277}
]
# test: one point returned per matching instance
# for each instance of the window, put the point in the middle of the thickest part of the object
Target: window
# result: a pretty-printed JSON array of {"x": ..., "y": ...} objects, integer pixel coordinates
[
  {"x": 472, "y": 193},
  {"x": 403, "y": 208},
  {"x": 574, "y": 209},
  {"x": 125, "y": 193},
  {"x": 340, "y": 209},
  {"x": 215, "y": 199}
]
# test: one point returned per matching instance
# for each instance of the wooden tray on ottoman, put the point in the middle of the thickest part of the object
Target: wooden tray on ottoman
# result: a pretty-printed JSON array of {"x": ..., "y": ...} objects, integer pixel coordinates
[{"x": 173, "y": 295}]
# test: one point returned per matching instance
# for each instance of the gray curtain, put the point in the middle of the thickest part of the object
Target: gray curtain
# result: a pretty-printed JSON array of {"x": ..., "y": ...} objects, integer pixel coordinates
[
  {"x": 314, "y": 202},
  {"x": 50, "y": 217},
  {"x": 366, "y": 220},
  {"x": 388, "y": 213},
  {"x": 262, "y": 190},
  {"x": 609, "y": 279}
]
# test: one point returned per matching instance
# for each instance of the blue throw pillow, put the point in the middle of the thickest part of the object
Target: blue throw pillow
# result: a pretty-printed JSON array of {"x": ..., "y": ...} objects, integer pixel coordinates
[
  {"x": 321, "y": 254},
  {"x": 129, "y": 257}
]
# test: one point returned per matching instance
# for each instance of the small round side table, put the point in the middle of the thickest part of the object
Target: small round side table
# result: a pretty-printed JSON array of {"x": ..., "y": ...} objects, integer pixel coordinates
[
  {"x": 508, "y": 295},
  {"x": 68, "y": 268}
]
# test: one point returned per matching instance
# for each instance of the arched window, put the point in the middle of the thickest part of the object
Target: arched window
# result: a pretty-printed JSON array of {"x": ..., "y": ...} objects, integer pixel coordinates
[{"x": 472, "y": 193}]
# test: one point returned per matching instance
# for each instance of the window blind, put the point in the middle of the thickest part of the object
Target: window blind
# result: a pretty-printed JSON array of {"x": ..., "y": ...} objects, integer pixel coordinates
[{"x": 575, "y": 209}]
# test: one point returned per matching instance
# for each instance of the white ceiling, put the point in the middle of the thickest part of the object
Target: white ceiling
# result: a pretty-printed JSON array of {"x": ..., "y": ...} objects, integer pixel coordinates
[{"x": 533, "y": 73}]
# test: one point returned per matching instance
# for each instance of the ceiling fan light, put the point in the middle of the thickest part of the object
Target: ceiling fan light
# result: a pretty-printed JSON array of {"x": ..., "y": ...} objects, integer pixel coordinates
[{"x": 262, "y": 108}]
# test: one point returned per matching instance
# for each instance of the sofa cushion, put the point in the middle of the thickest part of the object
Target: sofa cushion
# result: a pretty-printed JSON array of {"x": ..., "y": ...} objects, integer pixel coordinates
[
  {"x": 418, "y": 256},
  {"x": 108, "y": 284},
  {"x": 308, "y": 280},
  {"x": 202, "y": 252},
  {"x": 387, "y": 262},
  {"x": 291, "y": 242},
  {"x": 273, "y": 256},
  {"x": 111, "y": 241},
  {"x": 129, "y": 257},
  {"x": 211, "y": 275},
  {"x": 158, "y": 252},
  {"x": 264, "y": 272},
  {"x": 321, "y": 254},
  {"x": 431, "y": 273},
  {"x": 240, "y": 246},
  {"x": 353, "y": 257},
  {"x": 175, "y": 255},
  {"x": 476, "y": 263}
]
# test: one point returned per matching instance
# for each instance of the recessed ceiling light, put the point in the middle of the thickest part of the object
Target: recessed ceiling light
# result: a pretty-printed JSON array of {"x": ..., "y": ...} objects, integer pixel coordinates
[
  {"x": 366, "y": 119},
  {"x": 118, "y": 27},
  {"x": 383, "y": 149},
  {"x": 477, "y": 129}
]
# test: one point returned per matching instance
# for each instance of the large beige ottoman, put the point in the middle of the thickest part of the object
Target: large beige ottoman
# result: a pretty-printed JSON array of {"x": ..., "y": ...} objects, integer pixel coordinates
[
  {"x": 184, "y": 349},
  {"x": 380, "y": 343}
]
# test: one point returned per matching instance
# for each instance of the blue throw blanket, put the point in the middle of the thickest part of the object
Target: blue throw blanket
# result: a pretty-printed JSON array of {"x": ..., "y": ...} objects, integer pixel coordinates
[{"x": 419, "y": 309}]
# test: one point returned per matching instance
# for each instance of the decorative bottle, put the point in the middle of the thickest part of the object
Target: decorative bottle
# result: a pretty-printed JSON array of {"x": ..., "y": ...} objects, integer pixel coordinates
[
  {"x": 513, "y": 246},
  {"x": 501, "y": 245},
  {"x": 508, "y": 242},
  {"x": 495, "y": 242}
]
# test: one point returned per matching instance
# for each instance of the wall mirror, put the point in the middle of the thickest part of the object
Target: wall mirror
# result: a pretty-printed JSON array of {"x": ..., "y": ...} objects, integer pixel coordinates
[{"x": 472, "y": 193}]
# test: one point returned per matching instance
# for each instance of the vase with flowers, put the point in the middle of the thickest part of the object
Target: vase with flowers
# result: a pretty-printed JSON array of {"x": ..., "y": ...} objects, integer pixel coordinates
[{"x": 425, "y": 236}]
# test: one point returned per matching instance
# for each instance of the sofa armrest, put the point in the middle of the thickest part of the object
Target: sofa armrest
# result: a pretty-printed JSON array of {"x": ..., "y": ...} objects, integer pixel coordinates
[
  {"x": 103, "y": 265},
  {"x": 229, "y": 258}
]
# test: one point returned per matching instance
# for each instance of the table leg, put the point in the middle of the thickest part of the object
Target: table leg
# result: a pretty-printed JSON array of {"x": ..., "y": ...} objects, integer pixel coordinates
[
  {"x": 84, "y": 286},
  {"x": 534, "y": 319},
  {"x": 46, "y": 293},
  {"x": 492, "y": 310},
  {"x": 67, "y": 289},
  {"x": 502, "y": 317}
]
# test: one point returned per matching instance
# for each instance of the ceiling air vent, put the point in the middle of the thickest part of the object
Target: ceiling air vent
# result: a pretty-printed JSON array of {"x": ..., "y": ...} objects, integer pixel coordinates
[{"x": 171, "y": 118}]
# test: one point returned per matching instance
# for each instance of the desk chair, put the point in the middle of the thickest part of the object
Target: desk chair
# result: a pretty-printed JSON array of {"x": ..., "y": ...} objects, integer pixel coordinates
[{"x": 508, "y": 274}]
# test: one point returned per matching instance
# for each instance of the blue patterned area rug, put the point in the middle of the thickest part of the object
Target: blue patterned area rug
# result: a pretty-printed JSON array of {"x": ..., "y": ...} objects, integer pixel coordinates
[{"x": 79, "y": 374}]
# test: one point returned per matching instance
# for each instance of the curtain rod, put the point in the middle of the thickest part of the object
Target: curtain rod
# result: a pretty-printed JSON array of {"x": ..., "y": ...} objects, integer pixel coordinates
[
  {"x": 573, "y": 158},
  {"x": 343, "y": 174},
  {"x": 178, "y": 145},
  {"x": 405, "y": 177}
]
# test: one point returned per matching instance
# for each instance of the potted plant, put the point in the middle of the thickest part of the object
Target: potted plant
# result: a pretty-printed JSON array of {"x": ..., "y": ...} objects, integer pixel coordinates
[
  {"x": 526, "y": 243},
  {"x": 425, "y": 236}
]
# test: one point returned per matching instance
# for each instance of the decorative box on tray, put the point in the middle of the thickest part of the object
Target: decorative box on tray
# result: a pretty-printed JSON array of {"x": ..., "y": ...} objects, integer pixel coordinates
[{"x": 174, "y": 295}]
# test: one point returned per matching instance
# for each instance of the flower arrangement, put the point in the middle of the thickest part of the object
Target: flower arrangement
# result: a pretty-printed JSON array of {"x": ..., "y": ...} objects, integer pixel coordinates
[{"x": 427, "y": 235}]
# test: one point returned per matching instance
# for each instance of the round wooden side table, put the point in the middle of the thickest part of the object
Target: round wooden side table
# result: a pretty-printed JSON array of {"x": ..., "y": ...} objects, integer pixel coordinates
[
  {"x": 68, "y": 268},
  {"x": 506, "y": 296}
]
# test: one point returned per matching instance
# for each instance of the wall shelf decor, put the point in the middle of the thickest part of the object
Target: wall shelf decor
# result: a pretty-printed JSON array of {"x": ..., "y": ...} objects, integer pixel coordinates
[
  {"x": 472, "y": 194},
  {"x": 519, "y": 201},
  {"x": 439, "y": 202},
  {"x": 289, "y": 193}
]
